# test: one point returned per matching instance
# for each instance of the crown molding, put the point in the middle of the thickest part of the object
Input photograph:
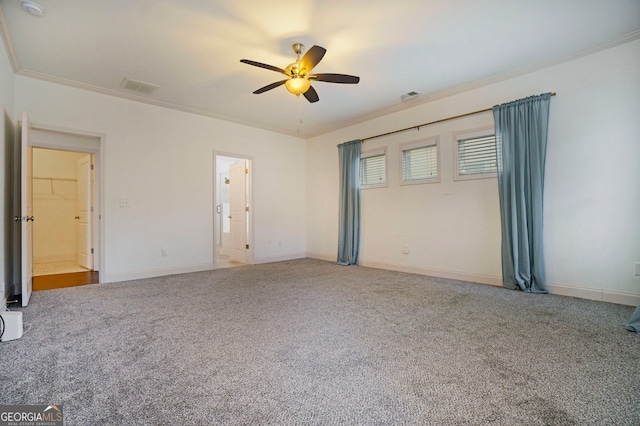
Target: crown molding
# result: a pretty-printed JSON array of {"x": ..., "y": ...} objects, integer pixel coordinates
[
  {"x": 424, "y": 99},
  {"x": 149, "y": 101},
  {"x": 421, "y": 100}
]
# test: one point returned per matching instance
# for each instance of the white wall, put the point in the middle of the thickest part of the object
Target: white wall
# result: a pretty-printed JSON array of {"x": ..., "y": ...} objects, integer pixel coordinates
[
  {"x": 161, "y": 161},
  {"x": 592, "y": 231},
  {"x": 6, "y": 154}
]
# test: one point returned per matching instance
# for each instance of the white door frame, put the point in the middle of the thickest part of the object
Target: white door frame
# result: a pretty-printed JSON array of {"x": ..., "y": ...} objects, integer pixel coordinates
[
  {"x": 216, "y": 222},
  {"x": 84, "y": 212},
  {"x": 91, "y": 143}
]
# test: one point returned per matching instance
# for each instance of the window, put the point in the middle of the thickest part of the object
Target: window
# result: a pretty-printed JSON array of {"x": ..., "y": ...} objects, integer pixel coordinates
[
  {"x": 476, "y": 155},
  {"x": 373, "y": 169},
  {"x": 420, "y": 162}
]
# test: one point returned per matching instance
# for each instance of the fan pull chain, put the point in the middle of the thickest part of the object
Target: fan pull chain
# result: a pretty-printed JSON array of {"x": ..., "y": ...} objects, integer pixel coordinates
[{"x": 299, "y": 113}]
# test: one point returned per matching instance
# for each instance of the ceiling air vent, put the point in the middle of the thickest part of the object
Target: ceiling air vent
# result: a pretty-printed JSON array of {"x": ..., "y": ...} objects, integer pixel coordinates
[
  {"x": 138, "y": 86},
  {"x": 409, "y": 96}
]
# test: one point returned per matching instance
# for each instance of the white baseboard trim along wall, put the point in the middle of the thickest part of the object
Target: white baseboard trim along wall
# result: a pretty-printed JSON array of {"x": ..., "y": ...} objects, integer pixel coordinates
[
  {"x": 595, "y": 294},
  {"x": 56, "y": 258},
  {"x": 554, "y": 288},
  {"x": 557, "y": 289},
  {"x": 321, "y": 257},
  {"x": 137, "y": 275},
  {"x": 439, "y": 273},
  {"x": 461, "y": 276},
  {"x": 284, "y": 258}
]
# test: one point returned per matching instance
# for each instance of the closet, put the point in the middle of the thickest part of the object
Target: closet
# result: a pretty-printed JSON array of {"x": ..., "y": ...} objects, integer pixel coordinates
[{"x": 55, "y": 205}]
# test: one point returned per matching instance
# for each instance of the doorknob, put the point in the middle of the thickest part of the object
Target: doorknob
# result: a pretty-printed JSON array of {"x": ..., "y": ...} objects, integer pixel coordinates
[
  {"x": 17, "y": 218},
  {"x": 77, "y": 218},
  {"x": 29, "y": 218},
  {"x": 229, "y": 217}
]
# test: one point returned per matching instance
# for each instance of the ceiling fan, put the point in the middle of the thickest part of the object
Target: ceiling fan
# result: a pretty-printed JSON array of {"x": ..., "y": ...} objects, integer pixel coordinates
[{"x": 299, "y": 73}]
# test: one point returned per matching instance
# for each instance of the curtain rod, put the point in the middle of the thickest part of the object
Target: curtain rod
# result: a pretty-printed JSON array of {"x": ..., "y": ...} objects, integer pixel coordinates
[{"x": 432, "y": 122}]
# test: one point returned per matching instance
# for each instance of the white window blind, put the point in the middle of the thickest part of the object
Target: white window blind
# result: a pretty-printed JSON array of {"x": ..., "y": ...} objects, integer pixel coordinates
[
  {"x": 373, "y": 170},
  {"x": 420, "y": 163},
  {"x": 477, "y": 156}
]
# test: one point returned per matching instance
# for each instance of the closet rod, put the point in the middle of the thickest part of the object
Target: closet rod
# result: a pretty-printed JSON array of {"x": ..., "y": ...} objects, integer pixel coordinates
[{"x": 432, "y": 122}]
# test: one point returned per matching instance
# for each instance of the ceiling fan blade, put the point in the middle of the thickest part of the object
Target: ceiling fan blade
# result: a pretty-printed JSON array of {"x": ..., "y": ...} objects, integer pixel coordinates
[
  {"x": 311, "y": 95},
  {"x": 311, "y": 58},
  {"x": 269, "y": 87},
  {"x": 336, "y": 78},
  {"x": 261, "y": 65}
]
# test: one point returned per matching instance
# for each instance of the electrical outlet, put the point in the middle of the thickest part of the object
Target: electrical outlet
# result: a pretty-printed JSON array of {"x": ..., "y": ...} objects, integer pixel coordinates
[
  {"x": 637, "y": 268},
  {"x": 405, "y": 249},
  {"x": 124, "y": 202},
  {"x": 163, "y": 252}
]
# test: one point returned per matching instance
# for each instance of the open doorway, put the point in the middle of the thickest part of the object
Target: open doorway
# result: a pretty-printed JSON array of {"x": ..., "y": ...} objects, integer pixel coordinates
[
  {"x": 62, "y": 202},
  {"x": 232, "y": 218},
  {"x": 65, "y": 177}
]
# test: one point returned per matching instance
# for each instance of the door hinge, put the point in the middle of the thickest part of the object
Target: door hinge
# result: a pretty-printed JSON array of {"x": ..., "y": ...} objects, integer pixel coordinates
[
  {"x": 246, "y": 171},
  {"x": 247, "y": 246},
  {"x": 91, "y": 209},
  {"x": 246, "y": 209},
  {"x": 91, "y": 251},
  {"x": 92, "y": 167}
]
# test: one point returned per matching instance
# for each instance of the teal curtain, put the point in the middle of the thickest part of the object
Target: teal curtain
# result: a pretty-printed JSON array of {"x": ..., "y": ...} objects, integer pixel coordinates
[
  {"x": 349, "y": 219},
  {"x": 521, "y": 144},
  {"x": 634, "y": 321}
]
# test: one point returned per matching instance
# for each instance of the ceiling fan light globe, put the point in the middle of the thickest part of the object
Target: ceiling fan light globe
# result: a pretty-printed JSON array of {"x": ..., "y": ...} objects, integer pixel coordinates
[{"x": 297, "y": 85}]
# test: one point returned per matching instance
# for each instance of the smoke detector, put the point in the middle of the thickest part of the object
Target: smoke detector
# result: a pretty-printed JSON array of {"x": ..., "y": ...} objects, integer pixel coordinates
[{"x": 32, "y": 8}]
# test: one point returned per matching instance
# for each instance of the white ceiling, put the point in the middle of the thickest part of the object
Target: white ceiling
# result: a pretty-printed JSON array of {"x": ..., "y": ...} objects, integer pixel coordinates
[{"x": 192, "y": 49}]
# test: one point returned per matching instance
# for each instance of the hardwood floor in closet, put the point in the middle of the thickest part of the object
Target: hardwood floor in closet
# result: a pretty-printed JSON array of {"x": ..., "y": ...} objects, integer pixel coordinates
[{"x": 49, "y": 282}]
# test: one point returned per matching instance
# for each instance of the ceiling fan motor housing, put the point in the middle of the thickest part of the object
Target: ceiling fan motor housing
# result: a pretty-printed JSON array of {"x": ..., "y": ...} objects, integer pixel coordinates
[{"x": 298, "y": 48}]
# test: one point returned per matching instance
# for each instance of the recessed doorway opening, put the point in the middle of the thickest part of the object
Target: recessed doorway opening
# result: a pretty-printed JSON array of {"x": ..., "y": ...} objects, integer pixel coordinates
[
  {"x": 62, "y": 202},
  {"x": 65, "y": 196},
  {"x": 233, "y": 214}
]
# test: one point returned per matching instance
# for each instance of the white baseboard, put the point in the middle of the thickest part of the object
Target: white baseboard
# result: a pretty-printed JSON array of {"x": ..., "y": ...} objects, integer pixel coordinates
[
  {"x": 320, "y": 256},
  {"x": 461, "y": 276},
  {"x": 599, "y": 294},
  {"x": 150, "y": 273},
  {"x": 56, "y": 258},
  {"x": 440, "y": 273},
  {"x": 558, "y": 289},
  {"x": 602, "y": 295},
  {"x": 283, "y": 258}
]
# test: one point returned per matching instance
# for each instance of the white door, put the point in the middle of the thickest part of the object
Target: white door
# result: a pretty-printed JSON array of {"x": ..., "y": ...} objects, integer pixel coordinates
[
  {"x": 238, "y": 207},
  {"x": 85, "y": 215},
  {"x": 26, "y": 210}
]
